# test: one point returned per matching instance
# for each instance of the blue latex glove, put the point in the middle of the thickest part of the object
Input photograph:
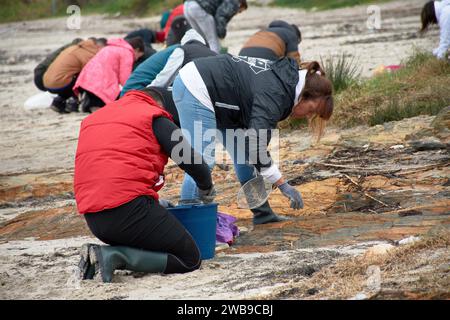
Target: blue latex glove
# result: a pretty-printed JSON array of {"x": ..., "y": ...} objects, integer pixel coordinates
[{"x": 290, "y": 192}]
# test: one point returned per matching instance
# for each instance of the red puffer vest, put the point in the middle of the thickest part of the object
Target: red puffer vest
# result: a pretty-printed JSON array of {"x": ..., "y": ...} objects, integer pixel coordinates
[{"x": 118, "y": 157}]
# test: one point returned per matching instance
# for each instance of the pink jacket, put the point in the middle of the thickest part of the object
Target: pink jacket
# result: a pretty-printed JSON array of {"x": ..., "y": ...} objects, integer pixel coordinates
[{"x": 110, "y": 67}]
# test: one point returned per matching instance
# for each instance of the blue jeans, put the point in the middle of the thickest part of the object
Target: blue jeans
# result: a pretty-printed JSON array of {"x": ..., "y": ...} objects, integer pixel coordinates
[{"x": 200, "y": 129}]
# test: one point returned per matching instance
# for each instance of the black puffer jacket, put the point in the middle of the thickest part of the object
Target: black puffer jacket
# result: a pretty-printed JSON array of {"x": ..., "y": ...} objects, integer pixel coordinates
[
  {"x": 222, "y": 11},
  {"x": 249, "y": 92},
  {"x": 42, "y": 67}
]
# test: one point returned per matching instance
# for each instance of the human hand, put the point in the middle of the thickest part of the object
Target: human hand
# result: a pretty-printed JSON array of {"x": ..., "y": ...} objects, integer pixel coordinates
[
  {"x": 290, "y": 192},
  {"x": 207, "y": 196}
]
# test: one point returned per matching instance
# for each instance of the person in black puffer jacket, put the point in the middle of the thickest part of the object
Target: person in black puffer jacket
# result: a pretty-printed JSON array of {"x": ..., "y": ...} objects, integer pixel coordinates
[
  {"x": 239, "y": 101},
  {"x": 210, "y": 18},
  {"x": 42, "y": 67},
  {"x": 279, "y": 40}
]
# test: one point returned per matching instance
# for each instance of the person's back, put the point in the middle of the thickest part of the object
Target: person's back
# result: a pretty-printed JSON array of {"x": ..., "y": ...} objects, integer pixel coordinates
[
  {"x": 279, "y": 40},
  {"x": 146, "y": 72},
  {"x": 248, "y": 84},
  {"x": 118, "y": 147},
  {"x": 193, "y": 46},
  {"x": 69, "y": 63},
  {"x": 110, "y": 68},
  {"x": 42, "y": 67},
  {"x": 194, "y": 50}
]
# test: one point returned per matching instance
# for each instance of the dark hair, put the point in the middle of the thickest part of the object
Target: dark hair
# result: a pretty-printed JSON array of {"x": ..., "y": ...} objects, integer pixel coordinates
[
  {"x": 155, "y": 94},
  {"x": 179, "y": 27},
  {"x": 137, "y": 43},
  {"x": 243, "y": 4},
  {"x": 297, "y": 32},
  {"x": 101, "y": 41},
  {"x": 428, "y": 15}
]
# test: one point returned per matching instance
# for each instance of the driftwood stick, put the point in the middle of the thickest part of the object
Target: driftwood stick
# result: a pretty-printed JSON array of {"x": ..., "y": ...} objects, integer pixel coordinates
[
  {"x": 365, "y": 193},
  {"x": 342, "y": 166},
  {"x": 424, "y": 168},
  {"x": 413, "y": 208},
  {"x": 351, "y": 169},
  {"x": 373, "y": 170}
]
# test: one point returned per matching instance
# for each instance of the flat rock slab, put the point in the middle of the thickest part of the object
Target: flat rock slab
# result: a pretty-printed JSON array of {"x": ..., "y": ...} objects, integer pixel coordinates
[{"x": 32, "y": 269}]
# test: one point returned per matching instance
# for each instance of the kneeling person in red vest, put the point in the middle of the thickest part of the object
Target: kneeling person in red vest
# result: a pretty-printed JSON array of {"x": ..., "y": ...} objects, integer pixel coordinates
[{"x": 120, "y": 159}]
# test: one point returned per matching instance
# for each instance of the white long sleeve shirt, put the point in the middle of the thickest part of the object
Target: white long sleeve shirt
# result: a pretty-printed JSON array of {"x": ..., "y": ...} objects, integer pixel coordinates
[{"x": 442, "y": 9}]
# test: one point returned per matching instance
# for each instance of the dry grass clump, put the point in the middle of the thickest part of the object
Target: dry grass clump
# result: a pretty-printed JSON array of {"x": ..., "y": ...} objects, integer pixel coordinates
[
  {"x": 408, "y": 271},
  {"x": 420, "y": 87}
]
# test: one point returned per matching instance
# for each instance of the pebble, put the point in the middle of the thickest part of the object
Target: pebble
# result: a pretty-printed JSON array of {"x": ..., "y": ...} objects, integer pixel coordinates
[
  {"x": 379, "y": 249},
  {"x": 408, "y": 240}
]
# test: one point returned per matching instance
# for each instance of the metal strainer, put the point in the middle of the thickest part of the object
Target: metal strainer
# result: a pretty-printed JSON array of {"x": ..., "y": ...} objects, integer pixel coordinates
[{"x": 254, "y": 193}]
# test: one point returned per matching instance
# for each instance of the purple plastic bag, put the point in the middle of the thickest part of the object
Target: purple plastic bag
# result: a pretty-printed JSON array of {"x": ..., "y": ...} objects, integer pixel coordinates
[{"x": 226, "y": 229}]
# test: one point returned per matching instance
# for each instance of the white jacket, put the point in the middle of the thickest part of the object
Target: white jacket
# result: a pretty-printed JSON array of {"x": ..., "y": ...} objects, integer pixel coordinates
[{"x": 442, "y": 9}]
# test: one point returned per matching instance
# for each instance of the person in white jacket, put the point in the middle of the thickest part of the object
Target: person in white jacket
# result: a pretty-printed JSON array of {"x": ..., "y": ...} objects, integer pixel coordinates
[
  {"x": 438, "y": 12},
  {"x": 193, "y": 46}
]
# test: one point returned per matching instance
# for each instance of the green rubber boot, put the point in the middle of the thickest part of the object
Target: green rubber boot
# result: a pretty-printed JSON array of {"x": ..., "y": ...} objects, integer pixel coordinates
[
  {"x": 106, "y": 259},
  {"x": 85, "y": 268},
  {"x": 264, "y": 214}
]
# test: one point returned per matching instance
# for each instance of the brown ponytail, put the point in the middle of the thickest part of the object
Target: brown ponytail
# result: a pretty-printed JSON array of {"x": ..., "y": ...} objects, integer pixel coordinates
[
  {"x": 313, "y": 67},
  {"x": 318, "y": 87},
  {"x": 428, "y": 16}
]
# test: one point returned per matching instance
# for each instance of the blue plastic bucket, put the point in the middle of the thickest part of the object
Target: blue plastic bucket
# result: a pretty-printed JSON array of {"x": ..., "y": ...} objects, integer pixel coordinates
[{"x": 200, "y": 220}]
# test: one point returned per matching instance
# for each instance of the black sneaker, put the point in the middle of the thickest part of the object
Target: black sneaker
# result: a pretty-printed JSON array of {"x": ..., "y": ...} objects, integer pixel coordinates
[
  {"x": 84, "y": 102},
  {"x": 72, "y": 105},
  {"x": 59, "y": 105}
]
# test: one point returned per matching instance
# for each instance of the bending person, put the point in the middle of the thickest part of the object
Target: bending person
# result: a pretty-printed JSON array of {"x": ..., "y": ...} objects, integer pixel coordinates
[
  {"x": 438, "y": 12},
  {"x": 119, "y": 169},
  {"x": 99, "y": 82},
  {"x": 193, "y": 46},
  {"x": 42, "y": 67},
  {"x": 279, "y": 40},
  {"x": 227, "y": 92},
  {"x": 63, "y": 72},
  {"x": 148, "y": 36},
  {"x": 210, "y": 18},
  {"x": 146, "y": 72}
]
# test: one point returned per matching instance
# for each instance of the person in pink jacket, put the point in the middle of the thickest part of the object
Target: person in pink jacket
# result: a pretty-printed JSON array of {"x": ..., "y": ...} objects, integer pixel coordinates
[{"x": 100, "y": 80}]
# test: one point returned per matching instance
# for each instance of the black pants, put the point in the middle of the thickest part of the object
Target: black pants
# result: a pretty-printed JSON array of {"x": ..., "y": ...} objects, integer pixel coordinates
[
  {"x": 92, "y": 100},
  {"x": 143, "y": 224},
  {"x": 65, "y": 92}
]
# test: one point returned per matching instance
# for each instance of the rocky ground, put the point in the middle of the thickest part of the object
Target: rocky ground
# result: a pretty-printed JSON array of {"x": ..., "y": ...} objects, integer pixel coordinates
[{"x": 365, "y": 189}]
